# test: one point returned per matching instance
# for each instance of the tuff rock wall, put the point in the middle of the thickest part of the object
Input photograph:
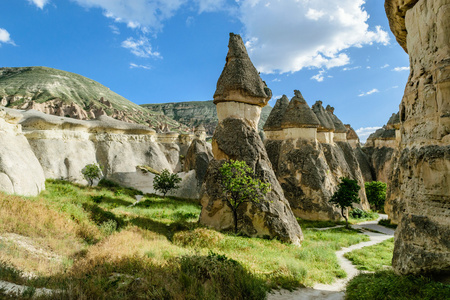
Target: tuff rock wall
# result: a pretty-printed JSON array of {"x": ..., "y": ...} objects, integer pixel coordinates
[{"x": 419, "y": 192}]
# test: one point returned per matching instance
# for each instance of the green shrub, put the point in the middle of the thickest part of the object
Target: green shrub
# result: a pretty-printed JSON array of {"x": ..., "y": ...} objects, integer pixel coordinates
[
  {"x": 92, "y": 172},
  {"x": 358, "y": 213},
  {"x": 165, "y": 182},
  {"x": 385, "y": 285},
  {"x": 376, "y": 194},
  {"x": 346, "y": 194}
]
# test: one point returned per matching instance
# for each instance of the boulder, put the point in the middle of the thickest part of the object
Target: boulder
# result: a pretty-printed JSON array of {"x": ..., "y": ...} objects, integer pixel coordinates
[{"x": 197, "y": 158}]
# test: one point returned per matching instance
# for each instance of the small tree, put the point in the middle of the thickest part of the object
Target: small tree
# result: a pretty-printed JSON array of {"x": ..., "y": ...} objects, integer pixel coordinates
[
  {"x": 239, "y": 185},
  {"x": 376, "y": 194},
  {"x": 346, "y": 194},
  {"x": 166, "y": 181},
  {"x": 92, "y": 172}
]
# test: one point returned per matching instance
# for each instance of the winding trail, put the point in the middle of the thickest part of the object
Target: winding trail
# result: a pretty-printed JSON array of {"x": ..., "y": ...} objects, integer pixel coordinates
[{"x": 336, "y": 290}]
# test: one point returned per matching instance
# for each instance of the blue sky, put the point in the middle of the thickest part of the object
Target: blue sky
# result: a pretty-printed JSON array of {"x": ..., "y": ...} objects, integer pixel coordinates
[{"x": 155, "y": 51}]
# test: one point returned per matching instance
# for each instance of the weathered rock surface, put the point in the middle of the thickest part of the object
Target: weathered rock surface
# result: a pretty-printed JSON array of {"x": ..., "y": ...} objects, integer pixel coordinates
[
  {"x": 274, "y": 119},
  {"x": 419, "y": 192},
  {"x": 272, "y": 217},
  {"x": 298, "y": 114},
  {"x": 197, "y": 158},
  {"x": 20, "y": 171},
  {"x": 326, "y": 122}
]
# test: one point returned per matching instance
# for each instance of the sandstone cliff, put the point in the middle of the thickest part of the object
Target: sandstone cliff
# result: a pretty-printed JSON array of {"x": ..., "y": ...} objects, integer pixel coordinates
[{"x": 419, "y": 192}]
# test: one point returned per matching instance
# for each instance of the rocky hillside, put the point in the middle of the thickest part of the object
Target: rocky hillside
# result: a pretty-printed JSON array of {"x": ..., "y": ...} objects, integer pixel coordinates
[
  {"x": 67, "y": 94},
  {"x": 196, "y": 112}
]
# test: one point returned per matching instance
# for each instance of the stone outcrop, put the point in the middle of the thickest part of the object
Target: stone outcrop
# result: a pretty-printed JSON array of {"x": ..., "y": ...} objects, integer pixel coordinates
[
  {"x": 364, "y": 162},
  {"x": 308, "y": 168},
  {"x": 419, "y": 192},
  {"x": 239, "y": 96},
  {"x": 198, "y": 155},
  {"x": 20, "y": 171}
]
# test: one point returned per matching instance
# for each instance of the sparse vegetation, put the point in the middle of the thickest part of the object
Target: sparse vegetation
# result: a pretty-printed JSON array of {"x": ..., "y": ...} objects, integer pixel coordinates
[
  {"x": 385, "y": 285},
  {"x": 110, "y": 250},
  {"x": 346, "y": 194},
  {"x": 240, "y": 186},
  {"x": 166, "y": 181}
]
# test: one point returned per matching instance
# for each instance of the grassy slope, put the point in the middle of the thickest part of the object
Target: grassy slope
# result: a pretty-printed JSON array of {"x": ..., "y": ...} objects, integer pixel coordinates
[
  {"x": 374, "y": 258},
  {"x": 97, "y": 235},
  {"x": 44, "y": 84}
]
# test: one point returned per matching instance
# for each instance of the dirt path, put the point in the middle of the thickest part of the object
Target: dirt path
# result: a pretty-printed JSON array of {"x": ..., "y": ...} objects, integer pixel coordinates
[{"x": 335, "y": 291}]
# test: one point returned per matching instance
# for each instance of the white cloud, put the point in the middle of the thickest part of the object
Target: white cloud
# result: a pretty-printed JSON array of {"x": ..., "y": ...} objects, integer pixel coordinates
[
  {"x": 294, "y": 34},
  {"x": 276, "y": 80},
  {"x": 136, "y": 66},
  {"x": 210, "y": 5},
  {"x": 399, "y": 69},
  {"x": 114, "y": 29},
  {"x": 350, "y": 69},
  {"x": 385, "y": 66},
  {"x": 145, "y": 14},
  {"x": 369, "y": 92},
  {"x": 364, "y": 132},
  {"x": 319, "y": 76},
  {"x": 5, "y": 37},
  {"x": 39, "y": 3},
  {"x": 140, "y": 47}
]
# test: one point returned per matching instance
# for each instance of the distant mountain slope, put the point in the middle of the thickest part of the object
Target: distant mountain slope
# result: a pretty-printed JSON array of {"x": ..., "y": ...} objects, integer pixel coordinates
[
  {"x": 68, "y": 94},
  {"x": 195, "y": 112}
]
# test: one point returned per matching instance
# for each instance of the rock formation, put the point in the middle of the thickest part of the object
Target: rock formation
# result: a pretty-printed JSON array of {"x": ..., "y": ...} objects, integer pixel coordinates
[
  {"x": 20, "y": 171},
  {"x": 363, "y": 160},
  {"x": 239, "y": 97},
  {"x": 307, "y": 161},
  {"x": 59, "y": 148},
  {"x": 419, "y": 191},
  {"x": 198, "y": 155}
]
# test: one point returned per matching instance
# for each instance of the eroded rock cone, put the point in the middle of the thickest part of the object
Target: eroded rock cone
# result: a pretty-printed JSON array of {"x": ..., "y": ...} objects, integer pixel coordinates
[{"x": 272, "y": 217}]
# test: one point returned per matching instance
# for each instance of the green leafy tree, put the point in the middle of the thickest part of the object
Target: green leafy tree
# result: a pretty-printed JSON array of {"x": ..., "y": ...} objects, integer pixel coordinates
[
  {"x": 376, "y": 194},
  {"x": 92, "y": 172},
  {"x": 166, "y": 181},
  {"x": 346, "y": 194},
  {"x": 240, "y": 185}
]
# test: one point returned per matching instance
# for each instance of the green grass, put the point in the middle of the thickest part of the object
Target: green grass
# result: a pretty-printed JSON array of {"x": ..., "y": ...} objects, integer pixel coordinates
[
  {"x": 373, "y": 258},
  {"x": 384, "y": 285},
  {"x": 98, "y": 234}
]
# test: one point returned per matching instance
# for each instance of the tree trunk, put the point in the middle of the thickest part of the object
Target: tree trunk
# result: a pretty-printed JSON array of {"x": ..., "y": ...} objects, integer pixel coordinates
[
  {"x": 345, "y": 217},
  {"x": 235, "y": 220}
]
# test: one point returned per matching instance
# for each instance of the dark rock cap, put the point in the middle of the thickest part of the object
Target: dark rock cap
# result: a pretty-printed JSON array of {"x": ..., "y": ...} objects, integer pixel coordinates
[
  {"x": 273, "y": 122},
  {"x": 240, "y": 81},
  {"x": 298, "y": 114},
  {"x": 326, "y": 123},
  {"x": 351, "y": 133},
  {"x": 339, "y": 127},
  {"x": 382, "y": 134}
]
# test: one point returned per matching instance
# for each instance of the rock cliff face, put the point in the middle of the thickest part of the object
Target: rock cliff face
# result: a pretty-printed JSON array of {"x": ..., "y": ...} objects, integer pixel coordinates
[
  {"x": 420, "y": 186},
  {"x": 194, "y": 113},
  {"x": 308, "y": 167},
  {"x": 20, "y": 171},
  {"x": 59, "y": 148},
  {"x": 239, "y": 97},
  {"x": 66, "y": 94}
]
